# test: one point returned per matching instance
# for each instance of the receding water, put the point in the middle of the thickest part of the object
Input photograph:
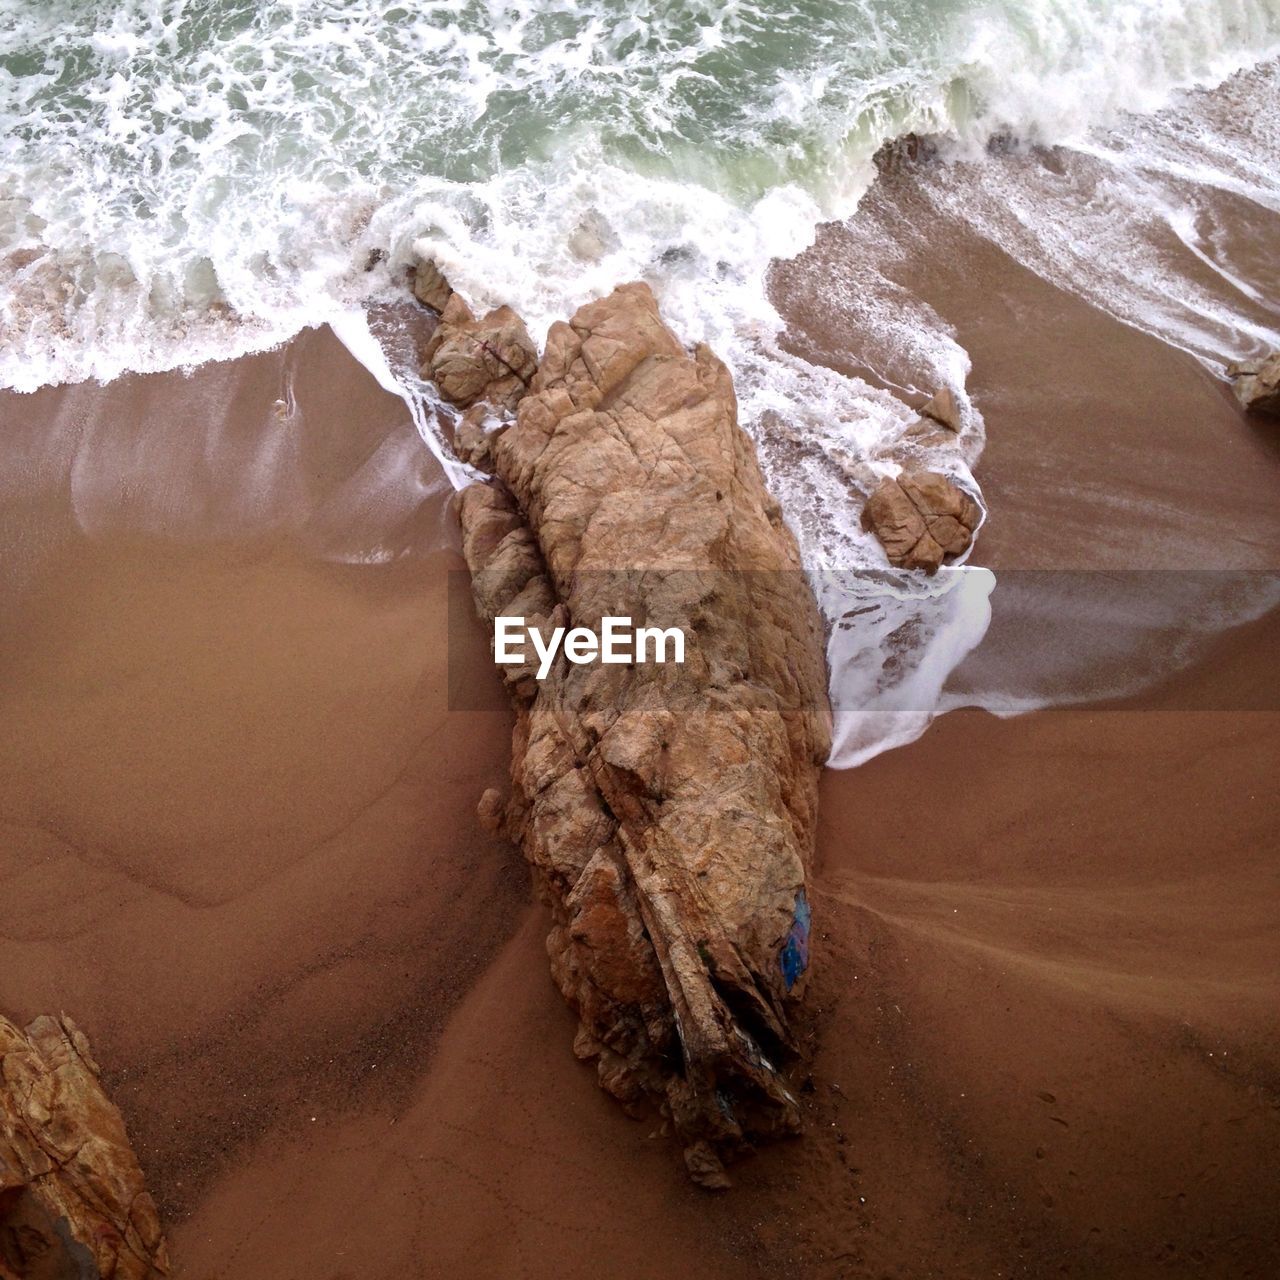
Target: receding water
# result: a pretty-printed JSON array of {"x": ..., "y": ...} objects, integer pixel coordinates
[{"x": 184, "y": 179}]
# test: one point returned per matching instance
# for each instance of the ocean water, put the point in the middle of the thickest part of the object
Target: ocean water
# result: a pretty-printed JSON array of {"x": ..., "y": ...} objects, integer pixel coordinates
[{"x": 184, "y": 180}]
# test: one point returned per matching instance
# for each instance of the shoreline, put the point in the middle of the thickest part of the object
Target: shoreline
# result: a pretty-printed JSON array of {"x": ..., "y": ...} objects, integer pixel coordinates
[{"x": 319, "y": 991}]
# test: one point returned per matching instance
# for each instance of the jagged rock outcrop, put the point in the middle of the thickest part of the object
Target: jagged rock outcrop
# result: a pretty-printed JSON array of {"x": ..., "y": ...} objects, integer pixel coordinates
[
  {"x": 667, "y": 810},
  {"x": 905, "y": 151},
  {"x": 474, "y": 435},
  {"x": 430, "y": 286},
  {"x": 1257, "y": 384},
  {"x": 73, "y": 1205},
  {"x": 489, "y": 359},
  {"x": 921, "y": 518},
  {"x": 942, "y": 408}
]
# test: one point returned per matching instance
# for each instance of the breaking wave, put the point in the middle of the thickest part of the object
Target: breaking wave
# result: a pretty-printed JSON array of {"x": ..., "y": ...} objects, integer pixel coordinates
[{"x": 184, "y": 181}]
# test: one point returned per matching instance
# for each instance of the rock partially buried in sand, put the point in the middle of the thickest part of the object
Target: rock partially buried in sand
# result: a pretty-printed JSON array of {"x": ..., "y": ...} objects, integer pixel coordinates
[
  {"x": 72, "y": 1200},
  {"x": 667, "y": 811},
  {"x": 921, "y": 518},
  {"x": 1257, "y": 384},
  {"x": 490, "y": 359}
]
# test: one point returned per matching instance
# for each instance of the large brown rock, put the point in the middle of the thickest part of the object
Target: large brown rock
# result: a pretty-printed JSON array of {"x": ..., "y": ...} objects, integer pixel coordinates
[
  {"x": 490, "y": 359},
  {"x": 1257, "y": 384},
  {"x": 921, "y": 518},
  {"x": 430, "y": 286},
  {"x": 73, "y": 1205},
  {"x": 667, "y": 810}
]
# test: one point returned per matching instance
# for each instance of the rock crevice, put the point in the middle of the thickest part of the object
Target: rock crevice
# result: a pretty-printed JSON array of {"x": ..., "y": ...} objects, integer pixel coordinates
[
  {"x": 922, "y": 518},
  {"x": 72, "y": 1197}
]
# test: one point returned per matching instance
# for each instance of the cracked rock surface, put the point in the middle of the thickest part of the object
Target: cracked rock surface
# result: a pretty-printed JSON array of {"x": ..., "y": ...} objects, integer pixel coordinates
[
  {"x": 73, "y": 1205},
  {"x": 667, "y": 810},
  {"x": 430, "y": 286},
  {"x": 488, "y": 359},
  {"x": 921, "y": 518}
]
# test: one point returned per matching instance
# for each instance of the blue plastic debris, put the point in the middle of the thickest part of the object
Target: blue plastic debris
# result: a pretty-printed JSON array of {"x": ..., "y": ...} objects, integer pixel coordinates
[{"x": 794, "y": 957}]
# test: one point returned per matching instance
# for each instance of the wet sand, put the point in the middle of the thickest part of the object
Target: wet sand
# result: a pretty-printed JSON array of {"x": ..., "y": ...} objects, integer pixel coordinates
[
  {"x": 1060, "y": 1043},
  {"x": 1106, "y": 449},
  {"x": 238, "y": 839},
  {"x": 238, "y": 846},
  {"x": 1046, "y": 1023}
]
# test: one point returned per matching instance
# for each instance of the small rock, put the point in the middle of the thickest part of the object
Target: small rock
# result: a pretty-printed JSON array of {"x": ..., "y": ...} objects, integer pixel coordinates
[
  {"x": 905, "y": 152},
  {"x": 921, "y": 519},
  {"x": 1257, "y": 384},
  {"x": 473, "y": 442},
  {"x": 705, "y": 1167},
  {"x": 944, "y": 410},
  {"x": 492, "y": 811},
  {"x": 593, "y": 237}
]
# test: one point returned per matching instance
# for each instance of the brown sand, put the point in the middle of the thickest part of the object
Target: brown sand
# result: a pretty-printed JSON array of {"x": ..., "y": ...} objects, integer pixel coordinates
[
  {"x": 1059, "y": 1049},
  {"x": 1044, "y": 1040},
  {"x": 238, "y": 846},
  {"x": 1050, "y": 997},
  {"x": 238, "y": 837},
  {"x": 1106, "y": 449}
]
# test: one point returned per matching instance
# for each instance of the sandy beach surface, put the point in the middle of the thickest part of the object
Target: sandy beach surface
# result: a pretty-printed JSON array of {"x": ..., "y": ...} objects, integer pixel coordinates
[{"x": 238, "y": 846}]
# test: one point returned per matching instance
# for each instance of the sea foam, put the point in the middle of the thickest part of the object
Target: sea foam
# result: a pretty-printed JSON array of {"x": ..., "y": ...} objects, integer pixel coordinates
[{"x": 183, "y": 183}]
